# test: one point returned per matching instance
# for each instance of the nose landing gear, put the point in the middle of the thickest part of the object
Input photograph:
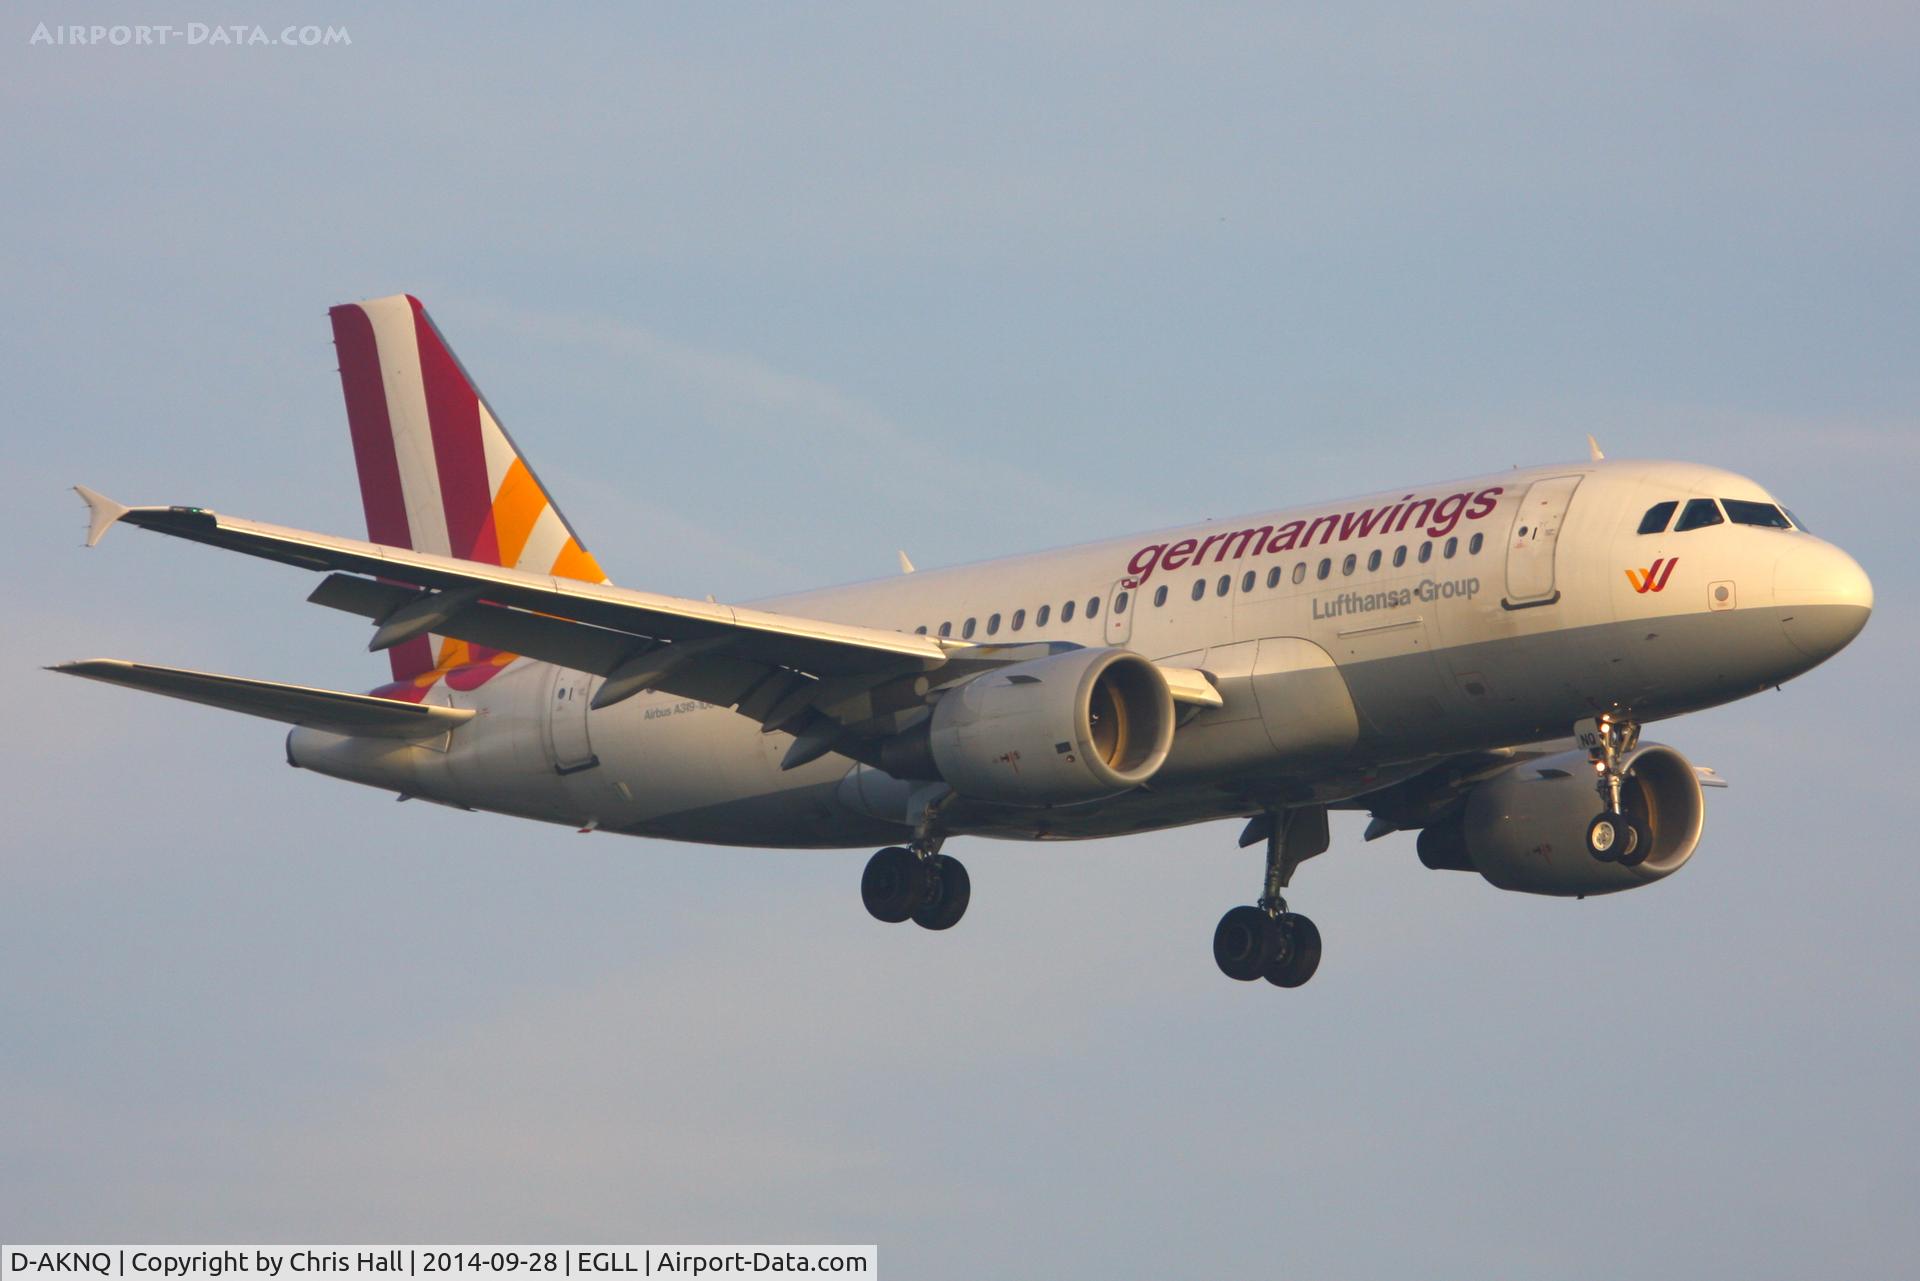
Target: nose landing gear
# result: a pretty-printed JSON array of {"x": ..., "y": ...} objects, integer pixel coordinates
[
  {"x": 1614, "y": 836},
  {"x": 1266, "y": 940}
]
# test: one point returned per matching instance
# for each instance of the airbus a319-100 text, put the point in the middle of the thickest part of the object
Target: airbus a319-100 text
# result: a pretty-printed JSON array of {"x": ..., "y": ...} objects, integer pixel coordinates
[{"x": 1473, "y": 660}]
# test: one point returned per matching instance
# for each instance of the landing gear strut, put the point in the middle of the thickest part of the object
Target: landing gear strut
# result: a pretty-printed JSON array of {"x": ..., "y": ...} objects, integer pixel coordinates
[
  {"x": 1266, "y": 940},
  {"x": 1614, "y": 836},
  {"x": 916, "y": 882}
]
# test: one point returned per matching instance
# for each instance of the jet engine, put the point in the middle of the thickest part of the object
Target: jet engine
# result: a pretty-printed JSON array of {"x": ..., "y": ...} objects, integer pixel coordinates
[
  {"x": 1074, "y": 726},
  {"x": 1525, "y": 828}
]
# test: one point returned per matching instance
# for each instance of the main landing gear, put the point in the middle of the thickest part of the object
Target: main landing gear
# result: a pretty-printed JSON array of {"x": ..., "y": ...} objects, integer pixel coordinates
[
  {"x": 1614, "y": 836},
  {"x": 916, "y": 883},
  {"x": 1266, "y": 940}
]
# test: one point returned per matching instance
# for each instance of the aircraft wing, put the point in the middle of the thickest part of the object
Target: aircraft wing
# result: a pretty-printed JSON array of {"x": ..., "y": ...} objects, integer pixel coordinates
[
  {"x": 326, "y": 709},
  {"x": 828, "y": 683},
  {"x": 816, "y": 645}
]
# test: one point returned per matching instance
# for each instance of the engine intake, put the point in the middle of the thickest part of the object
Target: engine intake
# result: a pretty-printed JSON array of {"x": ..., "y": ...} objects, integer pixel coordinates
[
  {"x": 1070, "y": 727},
  {"x": 1525, "y": 828}
]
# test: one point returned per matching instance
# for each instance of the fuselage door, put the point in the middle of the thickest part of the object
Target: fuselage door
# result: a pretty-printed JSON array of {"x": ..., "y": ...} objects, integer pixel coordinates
[
  {"x": 1122, "y": 601},
  {"x": 567, "y": 743},
  {"x": 1536, "y": 533}
]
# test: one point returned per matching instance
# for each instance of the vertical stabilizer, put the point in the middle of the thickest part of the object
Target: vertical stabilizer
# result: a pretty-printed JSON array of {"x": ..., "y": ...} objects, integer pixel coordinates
[{"x": 437, "y": 471}]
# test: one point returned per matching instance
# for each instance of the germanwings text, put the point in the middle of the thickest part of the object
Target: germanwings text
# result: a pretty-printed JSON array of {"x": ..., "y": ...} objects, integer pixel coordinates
[{"x": 1438, "y": 517}]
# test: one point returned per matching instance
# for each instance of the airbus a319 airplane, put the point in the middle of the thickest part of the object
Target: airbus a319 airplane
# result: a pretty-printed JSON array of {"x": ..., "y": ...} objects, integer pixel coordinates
[{"x": 1472, "y": 659}]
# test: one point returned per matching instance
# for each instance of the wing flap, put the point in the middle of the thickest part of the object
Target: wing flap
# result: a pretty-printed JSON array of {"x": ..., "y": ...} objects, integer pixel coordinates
[
  {"x": 359, "y": 714},
  {"x": 714, "y": 678}
]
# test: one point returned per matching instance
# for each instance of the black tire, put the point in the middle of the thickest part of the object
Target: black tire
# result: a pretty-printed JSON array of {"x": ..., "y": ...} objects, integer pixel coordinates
[
  {"x": 894, "y": 883},
  {"x": 1607, "y": 835},
  {"x": 1639, "y": 843},
  {"x": 1299, "y": 954},
  {"x": 946, "y": 900},
  {"x": 1243, "y": 943}
]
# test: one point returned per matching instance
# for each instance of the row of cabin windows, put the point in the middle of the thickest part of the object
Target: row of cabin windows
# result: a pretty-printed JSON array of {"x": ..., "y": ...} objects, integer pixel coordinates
[
  {"x": 1041, "y": 617},
  {"x": 1222, "y": 585},
  {"x": 1702, "y": 512},
  {"x": 1324, "y": 570}
]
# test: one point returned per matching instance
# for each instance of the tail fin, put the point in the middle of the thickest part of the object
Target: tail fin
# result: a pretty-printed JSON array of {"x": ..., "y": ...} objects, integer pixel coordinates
[{"x": 437, "y": 471}]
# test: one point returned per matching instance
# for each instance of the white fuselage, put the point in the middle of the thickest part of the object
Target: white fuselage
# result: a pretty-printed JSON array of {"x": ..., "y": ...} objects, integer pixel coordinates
[{"x": 1353, "y": 643}]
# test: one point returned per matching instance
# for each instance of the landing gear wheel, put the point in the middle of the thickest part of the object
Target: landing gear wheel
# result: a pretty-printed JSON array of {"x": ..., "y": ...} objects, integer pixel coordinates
[
  {"x": 1243, "y": 943},
  {"x": 947, "y": 895},
  {"x": 1298, "y": 953},
  {"x": 1609, "y": 836},
  {"x": 1639, "y": 843},
  {"x": 1613, "y": 836},
  {"x": 894, "y": 884}
]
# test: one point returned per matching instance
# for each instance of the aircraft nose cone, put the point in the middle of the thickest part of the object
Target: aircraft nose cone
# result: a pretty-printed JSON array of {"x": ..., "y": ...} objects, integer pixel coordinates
[{"x": 1823, "y": 596}]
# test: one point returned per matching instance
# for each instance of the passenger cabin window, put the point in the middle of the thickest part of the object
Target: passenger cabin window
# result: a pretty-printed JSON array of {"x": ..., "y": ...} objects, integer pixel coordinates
[
  {"x": 920, "y": 630},
  {"x": 1765, "y": 515},
  {"x": 1326, "y": 567},
  {"x": 1399, "y": 555},
  {"x": 1698, "y": 514},
  {"x": 1093, "y": 607},
  {"x": 1066, "y": 612},
  {"x": 1226, "y": 581},
  {"x": 1426, "y": 552},
  {"x": 1019, "y": 619},
  {"x": 946, "y": 629},
  {"x": 1373, "y": 560},
  {"x": 1040, "y": 619},
  {"x": 966, "y": 630},
  {"x": 1347, "y": 566},
  {"x": 1453, "y": 545},
  {"x": 1199, "y": 588},
  {"x": 1160, "y": 596},
  {"x": 1475, "y": 543},
  {"x": 1300, "y": 572},
  {"x": 1655, "y": 521},
  {"x": 993, "y": 624},
  {"x": 1120, "y": 603},
  {"x": 1273, "y": 578},
  {"x": 1246, "y": 581}
]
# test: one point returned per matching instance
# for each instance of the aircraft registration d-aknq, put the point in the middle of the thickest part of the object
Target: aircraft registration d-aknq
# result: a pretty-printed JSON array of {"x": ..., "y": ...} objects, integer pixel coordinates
[{"x": 1473, "y": 660}]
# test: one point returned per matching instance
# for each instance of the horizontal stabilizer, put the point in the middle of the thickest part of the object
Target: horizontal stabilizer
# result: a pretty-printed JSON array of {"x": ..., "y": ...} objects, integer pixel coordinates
[{"x": 356, "y": 714}]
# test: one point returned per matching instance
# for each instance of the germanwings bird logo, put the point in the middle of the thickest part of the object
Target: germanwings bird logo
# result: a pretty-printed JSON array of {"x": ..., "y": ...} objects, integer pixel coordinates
[{"x": 1652, "y": 580}]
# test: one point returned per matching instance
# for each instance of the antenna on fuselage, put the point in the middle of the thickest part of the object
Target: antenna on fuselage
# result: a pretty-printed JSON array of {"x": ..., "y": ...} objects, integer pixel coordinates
[{"x": 1593, "y": 449}]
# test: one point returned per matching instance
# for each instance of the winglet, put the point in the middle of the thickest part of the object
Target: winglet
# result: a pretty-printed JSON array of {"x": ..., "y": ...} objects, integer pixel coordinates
[
  {"x": 102, "y": 512},
  {"x": 906, "y": 566},
  {"x": 1593, "y": 449}
]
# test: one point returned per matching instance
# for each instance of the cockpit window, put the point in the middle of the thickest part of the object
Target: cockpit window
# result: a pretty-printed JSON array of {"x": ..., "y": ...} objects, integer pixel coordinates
[
  {"x": 1766, "y": 515},
  {"x": 1657, "y": 518},
  {"x": 1698, "y": 514}
]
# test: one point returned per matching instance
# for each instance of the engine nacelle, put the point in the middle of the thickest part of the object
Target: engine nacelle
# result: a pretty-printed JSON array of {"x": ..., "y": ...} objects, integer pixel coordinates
[
  {"x": 1525, "y": 828},
  {"x": 1071, "y": 727}
]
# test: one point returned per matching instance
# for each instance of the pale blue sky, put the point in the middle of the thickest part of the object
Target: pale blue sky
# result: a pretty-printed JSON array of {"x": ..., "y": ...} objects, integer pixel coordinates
[{"x": 767, "y": 292}]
